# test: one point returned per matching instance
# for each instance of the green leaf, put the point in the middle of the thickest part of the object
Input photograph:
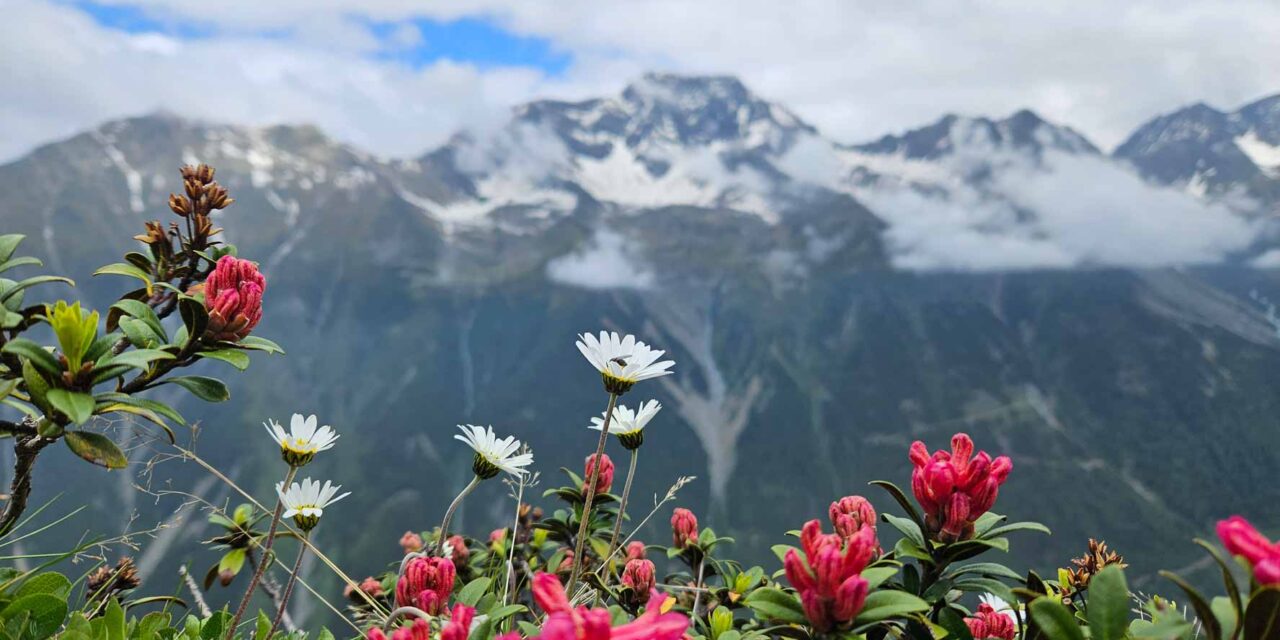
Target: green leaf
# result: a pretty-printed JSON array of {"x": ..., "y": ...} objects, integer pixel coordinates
[
  {"x": 776, "y": 604},
  {"x": 140, "y": 334},
  {"x": 1228, "y": 581},
  {"x": 50, "y": 582},
  {"x": 908, "y": 528},
  {"x": 24, "y": 261},
  {"x": 1054, "y": 620},
  {"x": 77, "y": 406},
  {"x": 1227, "y": 616},
  {"x": 1016, "y": 526},
  {"x": 1208, "y": 621},
  {"x": 260, "y": 344},
  {"x": 8, "y": 244},
  {"x": 38, "y": 355},
  {"x": 141, "y": 311},
  {"x": 215, "y": 626},
  {"x": 113, "y": 620},
  {"x": 22, "y": 285},
  {"x": 953, "y": 621},
  {"x": 142, "y": 403},
  {"x": 207, "y": 389},
  {"x": 1262, "y": 616},
  {"x": 992, "y": 569},
  {"x": 96, "y": 448},
  {"x": 37, "y": 385},
  {"x": 136, "y": 358},
  {"x": 876, "y": 576},
  {"x": 125, "y": 269},
  {"x": 471, "y": 593},
  {"x": 1108, "y": 604},
  {"x": 262, "y": 627},
  {"x": 888, "y": 603},
  {"x": 46, "y": 612},
  {"x": 235, "y": 358},
  {"x": 902, "y": 500},
  {"x": 194, "y": 316}
]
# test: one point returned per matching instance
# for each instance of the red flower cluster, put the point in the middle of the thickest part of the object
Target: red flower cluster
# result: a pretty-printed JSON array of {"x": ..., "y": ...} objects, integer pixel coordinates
[
  {"x": 1242, "y": 539},
  {"x": 955, "y": 488},
  {"x": 605, "y": 480},
  {"x": 426, "y": 584},
  {"x": 640, "y": 576},
  {"x": 457, "y": 628},
  {"x": 370, "y": 586},
  {"x": 564, "y": 622},
  {"x": 852, "y": 514},
  {"x": 233, "y": 298},
  {"x": 684, "y": 528},
  {"x": 988, "y": 623},
  {"x": 829, "y": 578}
]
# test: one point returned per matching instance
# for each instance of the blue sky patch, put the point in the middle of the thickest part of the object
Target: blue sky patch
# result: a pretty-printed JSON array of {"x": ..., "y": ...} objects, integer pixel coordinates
[{"x": 473, "y": 40}]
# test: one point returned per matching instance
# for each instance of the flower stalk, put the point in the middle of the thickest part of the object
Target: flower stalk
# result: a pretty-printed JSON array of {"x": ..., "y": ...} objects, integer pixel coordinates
[
  {"x": 578, "y": 559},
  {"x": 288, "y": 587},
  {"x": 622, "y": 509},
  {"x": 266, "y": 558},
  {"x": 448, "y": 515}
]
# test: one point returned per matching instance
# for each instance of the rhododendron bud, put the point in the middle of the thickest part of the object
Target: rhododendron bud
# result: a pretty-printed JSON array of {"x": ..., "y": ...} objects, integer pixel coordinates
[
  {"x": 1244, "y": 540},
  {"x": 233, "y": 298},
  {"x": 459, "y": 625},
  {"x": 684, "y": 528},
  {"x": 954, "y": 488},
  {"x": 370, "y": 586},
  {"x": 604, "y": 481},
  {"x": 987, "y": 623},
  {"x": 549, "y": 593},
  {"x": 411, "y": 542},
  {"x": 460, "y": 551},
  {"x": 635, "y": 550},
  {"x": 497, "y": 536},
  {"x": 639, "y": 575},
  {"x": 426, "y": 584},
  {"x": 375, "y": 634},
  {"x": 832, "y": 589}
]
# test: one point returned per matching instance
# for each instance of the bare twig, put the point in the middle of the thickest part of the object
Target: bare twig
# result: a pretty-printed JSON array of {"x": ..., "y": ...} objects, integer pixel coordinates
[{"x": 194, "y": 588}]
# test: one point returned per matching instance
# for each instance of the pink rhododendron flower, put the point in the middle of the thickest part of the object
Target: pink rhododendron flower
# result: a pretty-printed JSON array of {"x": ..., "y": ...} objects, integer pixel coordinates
[
  {"x": 233, "y": 298},
  {"x": 829, "y": 578},
  {"x": 564, "y": 622},
  {"x": 684, "y": 528},
  {"x": 640, "y": 575},
  {"x": 988, "y": 623},
  {"x": 955, "y": 488},
  {"x": 460, "y": 550},
  {"x": 1244, "y": 540},
  {"x": 605, "y": 480},
  {"x": 459, "y": 625},
  {"x": 851, "y": 514},
  {"x": 426, "y": 584}
]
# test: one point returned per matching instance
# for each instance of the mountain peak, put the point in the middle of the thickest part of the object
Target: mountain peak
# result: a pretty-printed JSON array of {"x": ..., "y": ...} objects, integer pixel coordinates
[{"x": 1023, "y": 131}]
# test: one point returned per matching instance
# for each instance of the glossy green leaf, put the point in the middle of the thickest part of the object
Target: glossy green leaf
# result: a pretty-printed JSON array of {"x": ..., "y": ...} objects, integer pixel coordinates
[
  {"x": 23, "y": 285},
  {"x": 96, "y": 448},
  {"x": 1262, "y": 615},
  {"x": 125, "y": 269},
  {"x": 470, "y": 593},
  {"x": 207, "y": 389},
  {"x": 1208, "y": 621},
  {"x": 75, "y": 405},
  {"x": 46, "y": 612},
  {"x": 237, "y": 359},
  {"x": 888, "y": 603},
  {"x": 38, "y": 355},
  {"x": 8, "y": 244},
  {"x": 1108, "y": 604},
  {"x": 776, "y": 604},
  {"x": 1054, "y": 620},
  {"x": 260, "y": 344}
]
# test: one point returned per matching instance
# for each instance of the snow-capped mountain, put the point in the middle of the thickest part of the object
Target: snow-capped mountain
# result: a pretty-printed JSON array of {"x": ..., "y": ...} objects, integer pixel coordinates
[{"x": 1233, "y": 156}]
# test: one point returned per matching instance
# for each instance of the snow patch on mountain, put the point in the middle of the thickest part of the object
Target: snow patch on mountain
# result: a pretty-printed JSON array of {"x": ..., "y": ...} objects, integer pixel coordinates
[{"x": 1266, "y": 156}]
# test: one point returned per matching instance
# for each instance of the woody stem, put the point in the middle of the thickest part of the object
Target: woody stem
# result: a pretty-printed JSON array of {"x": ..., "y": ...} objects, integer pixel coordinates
[{"x": 590, "y": 488}]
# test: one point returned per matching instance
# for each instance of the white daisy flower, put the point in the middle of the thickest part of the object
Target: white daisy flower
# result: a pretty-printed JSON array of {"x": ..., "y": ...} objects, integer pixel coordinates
[
  {"x": 305, "y": 502},
  {"x": 629, "y": 425},
  {"x": 494, "y": 454},
  {"x": 303, "y": 440},
  {"x": 622, "y": 361}
]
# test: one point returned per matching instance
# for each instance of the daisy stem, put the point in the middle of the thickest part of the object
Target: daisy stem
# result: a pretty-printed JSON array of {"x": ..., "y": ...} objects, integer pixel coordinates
[
  {"x": 590, "y": 488},
  {"x": 448, "y": 515},
  {"x": 266, "y": 556},
  {"x": 511, "y": 557},
  {"x": 622, "y": 511},
  {"x": 288, "y": 587}
]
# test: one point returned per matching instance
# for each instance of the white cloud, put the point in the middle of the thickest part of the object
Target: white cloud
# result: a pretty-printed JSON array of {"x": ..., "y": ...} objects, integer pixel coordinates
[
  {"x": 604, "y": 264},
  {"x": 854, "y": 68}
]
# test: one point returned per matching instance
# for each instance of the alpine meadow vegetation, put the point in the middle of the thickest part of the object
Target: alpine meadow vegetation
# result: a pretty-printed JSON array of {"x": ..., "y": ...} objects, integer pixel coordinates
[{"x": 925, "y": 562}]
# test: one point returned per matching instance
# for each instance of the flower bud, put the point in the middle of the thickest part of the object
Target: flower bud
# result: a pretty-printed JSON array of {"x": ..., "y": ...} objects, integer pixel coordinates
[
  {"x": 459, "y": 624},
  {"x": 426, "y": 584},
  {"x": 988, "y": 624},
  {"x": 635, "y": 550},
  {"x": 954, "y": 488},
  {"x": 233, "y": 298},
  {"x": 411, "y": 542},
  {"x": 684, "y": 528},
  {"x": 179, "y": 205},
  {"x": 460, "y": 551},
  {"x": 1244, "y": 540},
  {"x": 640, "y": 576},
  {"x": 850, "y": 514},
  {"x": 604, "y": 481}
]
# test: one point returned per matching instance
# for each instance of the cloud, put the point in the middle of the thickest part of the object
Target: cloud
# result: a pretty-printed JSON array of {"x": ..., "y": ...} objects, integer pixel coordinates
[
  {"x": 604, "y": 264},
  {"x": 854, "y": 68}
]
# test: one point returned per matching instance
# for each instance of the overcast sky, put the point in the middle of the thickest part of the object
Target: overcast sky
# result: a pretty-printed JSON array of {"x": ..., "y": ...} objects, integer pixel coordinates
[{"x": 398, "y": 76}]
